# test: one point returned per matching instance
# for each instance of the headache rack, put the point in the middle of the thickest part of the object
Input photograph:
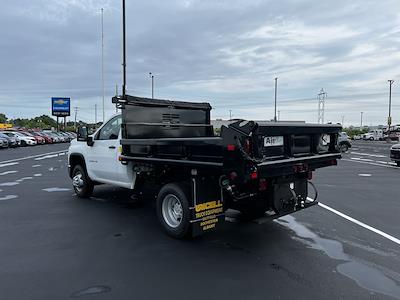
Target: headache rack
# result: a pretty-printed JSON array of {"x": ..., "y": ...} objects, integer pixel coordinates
[{"x": 165, "y": 131}]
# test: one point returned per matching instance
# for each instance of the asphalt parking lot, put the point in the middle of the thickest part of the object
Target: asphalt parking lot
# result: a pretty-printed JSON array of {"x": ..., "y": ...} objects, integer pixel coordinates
[{"x": 56, "y": 246}]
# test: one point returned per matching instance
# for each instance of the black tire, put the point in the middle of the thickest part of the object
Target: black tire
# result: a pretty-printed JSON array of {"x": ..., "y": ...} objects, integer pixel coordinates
[
  {"x": 86, "y": 190},
  {"x": 175, "y": 192},
  {"x": 344, "y": 147},
  {"x": 371, "y": 138},
  {"x": 23, "y": 144},
  {"x": 398, "y": 163}
]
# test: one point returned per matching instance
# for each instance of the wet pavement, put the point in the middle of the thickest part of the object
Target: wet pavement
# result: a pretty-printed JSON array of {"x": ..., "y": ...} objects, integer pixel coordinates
[{"x": 56, "y": 246}]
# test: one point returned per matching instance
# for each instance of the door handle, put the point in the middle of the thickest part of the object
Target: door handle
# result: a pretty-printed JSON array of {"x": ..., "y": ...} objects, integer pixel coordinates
[{"x": 111, "y": 147}]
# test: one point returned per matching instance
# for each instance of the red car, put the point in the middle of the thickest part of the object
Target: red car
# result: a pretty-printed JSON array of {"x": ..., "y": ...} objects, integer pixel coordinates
[
  {"x": 39, "y": 139},
  {"x": 47, "y": 138}
]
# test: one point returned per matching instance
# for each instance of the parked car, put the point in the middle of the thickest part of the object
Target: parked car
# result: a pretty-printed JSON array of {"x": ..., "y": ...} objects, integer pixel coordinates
[
  {"x": 24, "y": 139},
  {"x": 395, "y": 154},
  {"x": 3, "y": 142},
  {"x": 12, "y": 141},
  {"x": 374, "y": 135},
  {"x": 344, "y": 142},
  {"x": 48, "y": 139},
  {"x": 39, "y": 139},
  {"x": 56, "y": 138},
  {"x": 63, "y": 139}
]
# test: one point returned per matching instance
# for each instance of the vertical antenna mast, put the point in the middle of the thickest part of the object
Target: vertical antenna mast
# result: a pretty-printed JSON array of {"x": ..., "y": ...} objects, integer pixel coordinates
[
  {"x": 123, "y": 51},
  {"x": 102, "y": 57}
]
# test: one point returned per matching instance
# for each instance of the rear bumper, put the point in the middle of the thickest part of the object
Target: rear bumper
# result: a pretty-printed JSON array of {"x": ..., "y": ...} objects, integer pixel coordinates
[{"x": 295, "y": 165}]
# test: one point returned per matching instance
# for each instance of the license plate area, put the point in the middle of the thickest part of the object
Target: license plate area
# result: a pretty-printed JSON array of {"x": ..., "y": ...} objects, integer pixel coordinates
[{"x": 273, "y": 141}]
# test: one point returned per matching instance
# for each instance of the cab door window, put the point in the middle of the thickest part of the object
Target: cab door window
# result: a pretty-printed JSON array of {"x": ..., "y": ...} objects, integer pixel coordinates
[{"x": 110, "y": 131}]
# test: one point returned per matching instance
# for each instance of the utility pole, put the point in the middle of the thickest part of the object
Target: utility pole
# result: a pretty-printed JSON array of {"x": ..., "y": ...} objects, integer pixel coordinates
[
  {"x": 76, "y": 113},
  {"x": 321, "y": 106},
  {"x": 361, "y": 125},
  {"x": 95, "y": 114},
  {"x": 276, "y": 94},
  {"x": 279, "y": 115},
  {"x": 152, "y": 85},
  {"x": 230, "y": 114},
  {"x": 102, "y": 57},
  {"x": 389, "y": 120}
]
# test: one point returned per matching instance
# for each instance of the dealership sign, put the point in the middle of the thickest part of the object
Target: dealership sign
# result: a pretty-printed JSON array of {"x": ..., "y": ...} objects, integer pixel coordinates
[{"x": 60, "y": 107}]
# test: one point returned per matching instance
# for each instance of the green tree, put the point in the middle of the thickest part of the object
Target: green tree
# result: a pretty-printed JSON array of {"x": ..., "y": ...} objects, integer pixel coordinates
[{"x": 3, "y": 118}]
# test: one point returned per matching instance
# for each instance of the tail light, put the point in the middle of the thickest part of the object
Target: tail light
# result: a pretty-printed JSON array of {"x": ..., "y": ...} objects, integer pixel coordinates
[
  {"x": 254, "y": 175},
  {"x": 230, "y": 147}
]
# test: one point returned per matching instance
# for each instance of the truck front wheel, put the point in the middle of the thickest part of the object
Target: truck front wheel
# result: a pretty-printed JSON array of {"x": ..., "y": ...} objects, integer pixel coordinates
[
  {"x": 173, "y": 210},
  {"x": 81, "y": 182}
]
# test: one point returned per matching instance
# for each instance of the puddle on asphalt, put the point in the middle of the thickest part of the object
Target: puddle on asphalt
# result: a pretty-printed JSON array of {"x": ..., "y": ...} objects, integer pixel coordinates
[
  {"x": 36, "y": 166},
  {"x": 99, "y": 289},
  {"x": 366, "y": 276},
  {"x": 8, "y": 197},
  {"x": 9, "y": 164},
  {"x": 11, "y": 183},
  {"x": 56, "y": 189},
  {"x": 24, "y": 178},
  {"x": 8, "y": 172}
]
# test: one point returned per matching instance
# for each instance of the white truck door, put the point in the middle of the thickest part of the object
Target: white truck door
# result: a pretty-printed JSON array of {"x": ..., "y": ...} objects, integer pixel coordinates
[{"x": 103, "y": 155}]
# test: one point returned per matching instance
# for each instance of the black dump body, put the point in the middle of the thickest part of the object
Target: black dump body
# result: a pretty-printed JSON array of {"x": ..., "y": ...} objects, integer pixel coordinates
[{"x": 164, "y": 131}]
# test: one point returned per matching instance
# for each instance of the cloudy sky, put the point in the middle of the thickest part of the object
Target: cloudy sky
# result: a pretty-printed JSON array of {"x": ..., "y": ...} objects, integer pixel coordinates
[{"x": 225, "y": 52}]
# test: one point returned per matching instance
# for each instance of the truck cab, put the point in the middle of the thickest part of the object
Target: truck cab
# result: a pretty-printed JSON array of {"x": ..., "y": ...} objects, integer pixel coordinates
[{"x": 98, "y": 155}]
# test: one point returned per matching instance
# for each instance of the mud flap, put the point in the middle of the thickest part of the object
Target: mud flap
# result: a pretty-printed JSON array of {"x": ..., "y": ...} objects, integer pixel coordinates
[{"x": 207, "y": 212}]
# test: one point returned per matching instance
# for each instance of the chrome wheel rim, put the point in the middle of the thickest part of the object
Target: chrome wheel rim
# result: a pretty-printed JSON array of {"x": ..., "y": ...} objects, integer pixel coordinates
[
  {"x": 172, "y": 210},
  {"x": 78, "y": 182}
]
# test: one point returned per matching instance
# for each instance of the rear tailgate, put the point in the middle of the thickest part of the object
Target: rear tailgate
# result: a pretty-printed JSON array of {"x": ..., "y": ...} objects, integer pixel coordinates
[{"x": 287, "y": 148}]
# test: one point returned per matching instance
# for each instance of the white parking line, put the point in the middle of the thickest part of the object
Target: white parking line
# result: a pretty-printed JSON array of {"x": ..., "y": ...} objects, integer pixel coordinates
[
  {"x": 367, "y": 154},
  {"x": 370, "y": 228},
  {"x": 31, "y": 156},
  {"x": 387, "y": 165}
]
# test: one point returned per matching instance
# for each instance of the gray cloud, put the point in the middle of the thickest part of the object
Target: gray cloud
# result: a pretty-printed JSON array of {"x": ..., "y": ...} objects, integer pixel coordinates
[{"x": 226, "y": 52}]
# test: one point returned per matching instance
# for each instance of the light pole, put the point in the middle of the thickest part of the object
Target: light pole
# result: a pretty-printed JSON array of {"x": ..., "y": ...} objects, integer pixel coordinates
[
  {"x": 276, "y": 93},
  {"x": 279, "y": 115},
  {"x": 389, "y": 120},
  {"x": 152, "y": 84},
  {"x": 361, "y": 126},
  {"x": 343, "y": 121},
  {"x": 230, "y": 114}
]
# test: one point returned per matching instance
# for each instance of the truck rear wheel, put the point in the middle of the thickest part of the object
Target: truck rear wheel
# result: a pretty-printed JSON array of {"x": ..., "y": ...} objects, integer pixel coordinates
[
  {"x": 173, "y": 210},
  {"x": 81, "y": 182}
]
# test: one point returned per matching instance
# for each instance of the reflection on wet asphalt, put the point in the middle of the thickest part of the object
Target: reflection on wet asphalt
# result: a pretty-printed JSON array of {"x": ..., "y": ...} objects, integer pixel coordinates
[{"x": 365, "y": 274}]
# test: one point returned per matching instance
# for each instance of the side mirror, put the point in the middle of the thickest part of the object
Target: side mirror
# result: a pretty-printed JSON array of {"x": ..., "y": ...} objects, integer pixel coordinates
[{"x": 82, "y": 134}]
